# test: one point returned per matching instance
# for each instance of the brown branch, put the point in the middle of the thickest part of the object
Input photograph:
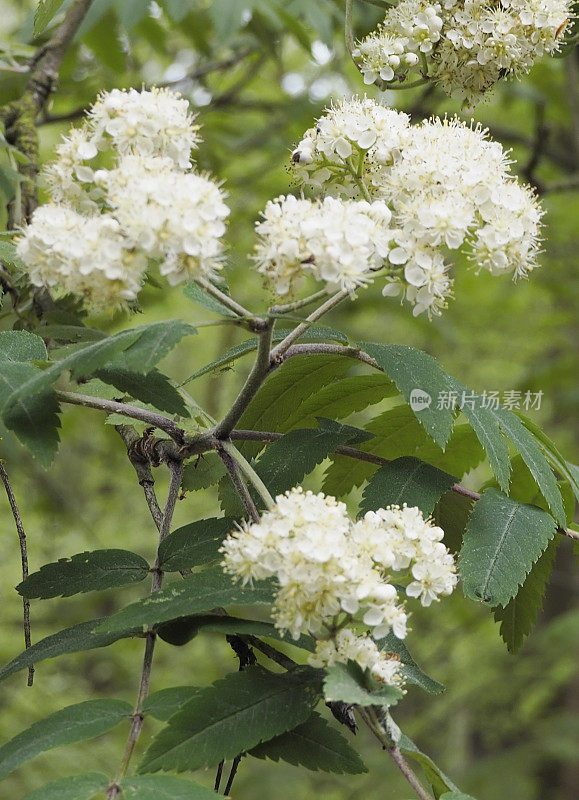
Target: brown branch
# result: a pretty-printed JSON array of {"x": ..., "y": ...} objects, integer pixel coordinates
[
  {"x": 238, "y": 482},
  {"x": 19, "y": 117},
  {"x": 24, "y": 559},
  {"x": 404, "y": 767},
  {"x": 176, "y": 470},
  {"x": 114, "y": 407},
  {"x": 49, "y": 58},
  {"x": 142, "y": 467}
]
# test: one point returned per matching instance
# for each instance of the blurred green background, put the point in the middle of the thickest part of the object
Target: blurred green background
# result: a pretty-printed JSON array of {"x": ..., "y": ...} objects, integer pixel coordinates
[{"x": 258, "y": 72}]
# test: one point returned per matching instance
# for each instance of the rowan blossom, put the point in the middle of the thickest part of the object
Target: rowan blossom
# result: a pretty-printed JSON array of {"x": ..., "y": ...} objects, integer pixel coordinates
[
  {"x": 447, "y": 186},
  {"x": 333, "y": 573},
  {"x": 337, "y": 241},
  {"x": 85, "y": 255},
  {"x": 466, "y": 47},
  {"x": 144, "y": 197}
]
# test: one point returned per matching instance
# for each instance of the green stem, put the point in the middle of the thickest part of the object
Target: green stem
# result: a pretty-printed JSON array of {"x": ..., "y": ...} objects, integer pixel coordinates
[
  {"x": 297, "y": 304},
  {"x": 359, "y": 180},
  {"x": 249, "y": 473},
  {"x": 238, "y": 482},
  {"x": 400, "y": 86},
  {"x": 349, "y": 30},
  {"x": 286, "y": 343},
  {"x": 255, "y": 379},
  {"x": 223, "y": 298}
]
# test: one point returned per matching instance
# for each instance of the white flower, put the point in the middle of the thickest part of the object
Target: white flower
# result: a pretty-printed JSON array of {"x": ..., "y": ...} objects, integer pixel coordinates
[
  {"x": 148, "y": 123},
  {"x": 339, "y": 242},
  {"x": 331, "y": 571},
  {"x": 86, "y": 255},
  {"x": 147, "y": 199},
  {"x": 447, "y": 186},
  {"x": 471, "y": 45},
  {"x": 177, "y": 217}
]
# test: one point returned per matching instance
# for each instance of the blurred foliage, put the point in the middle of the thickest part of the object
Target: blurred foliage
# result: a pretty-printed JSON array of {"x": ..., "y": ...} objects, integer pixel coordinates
[{"x": 258, "y": 72}]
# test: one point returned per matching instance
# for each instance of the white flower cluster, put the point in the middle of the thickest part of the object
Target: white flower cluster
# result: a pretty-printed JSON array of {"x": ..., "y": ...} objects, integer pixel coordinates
[
  {"x": 447, "y": 186},
  {"x": 336, "y": 241},
  {"x": 334, "y": 573},
  {"x": 471, "y": 44},
  {"x": 142, "y": 198},
  {"x": 409, "y": 30}
]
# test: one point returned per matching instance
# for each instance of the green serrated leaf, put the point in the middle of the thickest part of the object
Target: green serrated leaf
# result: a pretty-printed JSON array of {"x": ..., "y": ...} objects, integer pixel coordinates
[
  {"x": 32, "y": 417},
  {"x": 313, "y": 334},
  {"x": 9, "y": 255},
  {"x": 196, "y": 594},
  {"x": 153, "y": 344},
  {"x": 341, "y": 398},
  {"x": 347, "y": 683},
  {"x": 315, "y": 745},
  {"x": 85, "y": 572},
  {"x": 288, "y": 387},
  {"x": 534, "y": 459},
  {"x": 416, "y": 372},
  {"x": 485, "y": 424},
  {"x": 70, "y": 640},
  {"x": 519, "y": 616},
  {"x": 75, "y": 723},
  {"x": 21, "y": 346},
  {"x": 232, "y": 716},
  {"x": 75, "y": 787},
  {"x": 198, "y": 295},
  {"x": 71, "y": 333},
  {"x": 166, "y": 702},
  {"x": 165, "y": 787},
  {"x": 569, "y": 471},
  {"x": 408, "y": 666},
  {"x": 438, "y": 780},
  {"x": 194, "y": 544},
  {"x": 45, "y": 12},
  {"x": 202, "y": 473},
  {"x": 502, "y": 541},
  {"x": 406, "y": 480},
  {"x": 288, "y": 460},
  {"x": 154, "y": 388},
  {"x": 452, "y": 513}
]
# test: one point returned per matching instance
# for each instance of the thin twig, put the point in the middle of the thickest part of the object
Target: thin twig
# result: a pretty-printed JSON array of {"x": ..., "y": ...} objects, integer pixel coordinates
[
  {"x": 218, "y": 776},
  {"x": 275, "y": 655},
  {"x": 254, "y": 380},
  {"x": 49, "y": 59},
  {"x": 314, "y": 348},
  {"x": 297, "y": 304},
  {"x": 249, "y": 473},
  {"x": 176, "y": 471},
  {"x": 223, "y": 298},
  {"x": 232, "y": 774},
  {"x": 210, "y": 66},
  {"x": 404, "y": 767},
  {"x": 24, "y": 559},
  {"x": 292, "y": 337},
  {"x": 238, "y": 482},
  {"x": 143, "y": 469},
  {"x": 133, "y": 412}
]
